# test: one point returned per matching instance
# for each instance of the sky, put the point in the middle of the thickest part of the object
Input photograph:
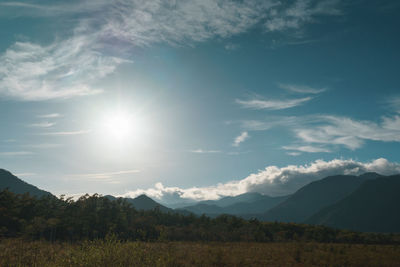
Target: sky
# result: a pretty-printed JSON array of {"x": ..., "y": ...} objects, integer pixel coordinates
[{"x": 197, "y": 99}]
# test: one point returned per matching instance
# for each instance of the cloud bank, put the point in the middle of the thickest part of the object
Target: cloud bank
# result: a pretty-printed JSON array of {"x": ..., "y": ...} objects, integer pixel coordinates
[{"x": 272, "y": 180}]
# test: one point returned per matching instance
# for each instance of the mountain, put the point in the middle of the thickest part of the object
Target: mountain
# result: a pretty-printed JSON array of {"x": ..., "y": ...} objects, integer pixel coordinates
[
  {"x": 227, "y": 201},
  {"x": 16, "y": 185},
  {"x": 314, "y": 196},
  {"x": 258, "y": 206},
  {"x": 249, "y": 203},
  {"x": 143, "y": 202},
  {"x": 373, "y": 207}
]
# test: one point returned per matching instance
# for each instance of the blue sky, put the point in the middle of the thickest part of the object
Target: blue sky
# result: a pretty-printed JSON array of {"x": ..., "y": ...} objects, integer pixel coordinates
[{"x": 188, "y": 100}]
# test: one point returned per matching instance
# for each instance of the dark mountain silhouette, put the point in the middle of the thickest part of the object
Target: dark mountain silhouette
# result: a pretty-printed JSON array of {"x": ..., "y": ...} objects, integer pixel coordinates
[
  {"x": 316, "y": 195},
  {"x": 143, "y": 202},
  {"x": 249, "y": 203},
  {"x": 373, "y": 207},
  {"x": 16, "y": 185}
]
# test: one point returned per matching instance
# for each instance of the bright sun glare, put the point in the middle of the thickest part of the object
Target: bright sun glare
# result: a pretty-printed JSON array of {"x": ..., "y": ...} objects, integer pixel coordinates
[
  {"x": 119, "y": 125},
  {"x": 122, "y": 126}
]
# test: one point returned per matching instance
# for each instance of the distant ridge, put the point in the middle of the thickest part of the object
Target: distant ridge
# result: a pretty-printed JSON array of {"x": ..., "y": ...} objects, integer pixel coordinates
[
  {"x": 143, "y": 202},
  {"x": 241, "y": 205},
  {"x": 373, "y": 207},
  {"x": 314, "y": 196},
  {"x": 18, "y": 186}
]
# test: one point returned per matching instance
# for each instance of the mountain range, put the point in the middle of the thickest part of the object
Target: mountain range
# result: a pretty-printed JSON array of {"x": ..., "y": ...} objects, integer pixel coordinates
[
  {"x": 368, "y": 202},
  {"x": 244, "y": 205},
  {"x": 314, "y": 196},
  {"x": 373, "y": 207}
]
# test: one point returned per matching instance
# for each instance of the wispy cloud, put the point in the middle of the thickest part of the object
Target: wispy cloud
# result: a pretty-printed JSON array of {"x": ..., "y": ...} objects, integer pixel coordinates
[
  {"x": 103, "y": 175},
  {"x": 50, "y": 116},
  {"x": 72, "y": 66},
  {"x": 42, "y": 124},
  {"x": 294, "y": 154},
  {"x": 323, "y": 133},
  {"x": 202, "y": 151},
  {"x": 301, "y": 88},
  {"x": 272, "y": 104},
  {"x": 183, "y": 22},
  {"x": 50, "y": 9},
  {"x": 350, "y": 133},
  {"x": 394, "y": 103},
  {"x": 241, "y": 138},
  {"x": 63, "y": 69},
  {"x": 271, "y": 122},
  {"x": 16, "y": 153},
  {"x": 231, "y": 47},
  {"x": 293, "y": 17},
  {"x": 67, "y": 133},
  {"x": 272, "y": 180},
  {"x": 308, "y": 149}
]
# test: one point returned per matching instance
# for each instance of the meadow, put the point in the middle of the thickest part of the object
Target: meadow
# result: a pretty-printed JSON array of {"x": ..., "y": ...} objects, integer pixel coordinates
[{"x": 112, "y": 252}]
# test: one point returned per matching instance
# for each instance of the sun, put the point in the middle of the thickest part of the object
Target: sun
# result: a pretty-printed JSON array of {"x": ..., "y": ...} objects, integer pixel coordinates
[
  {"x": 119, "y": 125},
  {"x": 123, "y": 127}
]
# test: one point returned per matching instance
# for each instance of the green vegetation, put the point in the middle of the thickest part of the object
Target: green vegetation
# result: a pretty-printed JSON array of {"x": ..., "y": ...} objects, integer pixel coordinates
[
  {"x": 111, "y": 252},
  {"x": 95, "y": 217}
]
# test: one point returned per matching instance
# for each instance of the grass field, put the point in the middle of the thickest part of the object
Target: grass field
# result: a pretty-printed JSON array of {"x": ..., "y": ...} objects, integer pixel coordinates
[{"x": 16, "y": 252}]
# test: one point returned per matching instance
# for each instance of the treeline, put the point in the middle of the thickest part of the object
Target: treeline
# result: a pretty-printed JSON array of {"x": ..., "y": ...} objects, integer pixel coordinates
[{"x": 95, "y": 217}]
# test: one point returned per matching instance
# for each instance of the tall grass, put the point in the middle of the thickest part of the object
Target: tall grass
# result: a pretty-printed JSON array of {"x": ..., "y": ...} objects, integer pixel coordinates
[{"x": 112, "y": 252}]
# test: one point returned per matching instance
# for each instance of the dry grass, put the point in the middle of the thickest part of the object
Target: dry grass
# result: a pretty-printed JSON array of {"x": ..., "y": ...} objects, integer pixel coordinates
[{"x": 111, "y": 252}]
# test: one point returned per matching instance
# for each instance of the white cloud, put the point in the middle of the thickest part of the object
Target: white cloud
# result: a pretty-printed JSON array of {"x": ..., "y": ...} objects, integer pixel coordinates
[
  {"x": 270, "y": 122},
  {"x": 301, "y": 88},
  {"x": 102, "y": 175},
  {"x": 272, "y": 104},
  {"x": 241, "y": 138},
  {"x": 293, "y": 154},
  {"x": 67, "y": 133},
  {"x": 309, "y": 149},
  {"x": 202, "y": 151},
  {"x": 16, "y": 153},
  {"x": 272, "y": 180},
  {"x": 42, "y": 124},
  {"x": 49, "y": 116},
  {"x": 350, "y": 133},
  {"x": 180, "y": 22},
  {"x": 299, "y": 13},
  {"x": 62, "y": 69}
]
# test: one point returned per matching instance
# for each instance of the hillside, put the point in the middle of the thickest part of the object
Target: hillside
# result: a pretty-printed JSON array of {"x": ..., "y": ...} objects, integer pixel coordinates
[
  {"x": 16, "y": 185},
  {"x": 313, "y": 197},
  {"x": 373, "y": 207}
]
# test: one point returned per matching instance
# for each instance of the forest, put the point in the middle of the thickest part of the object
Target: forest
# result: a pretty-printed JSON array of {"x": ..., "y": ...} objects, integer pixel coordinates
[{"x": 94, "y": 217}]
